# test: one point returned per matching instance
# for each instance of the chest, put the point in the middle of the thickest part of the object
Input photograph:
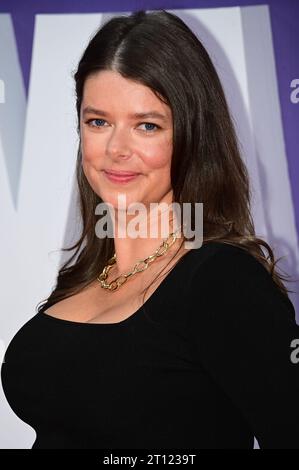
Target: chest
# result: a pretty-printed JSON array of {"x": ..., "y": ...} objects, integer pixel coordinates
[{"x": 97, "y": 305}]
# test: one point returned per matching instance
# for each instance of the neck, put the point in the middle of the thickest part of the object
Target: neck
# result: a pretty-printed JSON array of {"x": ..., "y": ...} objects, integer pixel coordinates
[{"x": 130, "y": 250}]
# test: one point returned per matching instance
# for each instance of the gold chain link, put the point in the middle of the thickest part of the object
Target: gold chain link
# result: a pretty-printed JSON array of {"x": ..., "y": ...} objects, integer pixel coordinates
[{"x": 140, "y": 266}]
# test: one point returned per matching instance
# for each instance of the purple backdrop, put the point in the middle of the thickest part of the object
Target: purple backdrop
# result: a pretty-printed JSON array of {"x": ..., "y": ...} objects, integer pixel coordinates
[{"x": 284, "y": 20}]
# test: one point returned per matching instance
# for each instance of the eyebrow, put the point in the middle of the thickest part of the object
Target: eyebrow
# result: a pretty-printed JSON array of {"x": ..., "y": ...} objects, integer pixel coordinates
[{"x": 148, "y": 114}]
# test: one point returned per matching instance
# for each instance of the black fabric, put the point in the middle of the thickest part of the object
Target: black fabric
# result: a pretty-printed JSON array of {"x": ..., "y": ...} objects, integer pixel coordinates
[{"x": 204, "y": 364}]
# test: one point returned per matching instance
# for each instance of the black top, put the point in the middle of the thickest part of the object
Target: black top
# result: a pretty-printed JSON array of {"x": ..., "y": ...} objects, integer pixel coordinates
[{"x": 204, "y": 364}]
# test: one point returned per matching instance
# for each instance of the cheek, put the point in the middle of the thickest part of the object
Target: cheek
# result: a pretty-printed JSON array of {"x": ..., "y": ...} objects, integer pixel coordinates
[
  {"x": 91, "y": 149},
  {"x": 158, "y": 156}
]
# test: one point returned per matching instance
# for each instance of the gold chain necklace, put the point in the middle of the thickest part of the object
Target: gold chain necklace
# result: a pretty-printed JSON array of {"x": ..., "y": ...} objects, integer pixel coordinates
[{"x": 140, "y": 266}]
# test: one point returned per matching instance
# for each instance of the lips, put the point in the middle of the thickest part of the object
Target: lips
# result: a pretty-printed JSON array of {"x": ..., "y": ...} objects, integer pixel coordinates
[
  {"x": 121, "y": 173},
  {"x": 121, "y": 177}
]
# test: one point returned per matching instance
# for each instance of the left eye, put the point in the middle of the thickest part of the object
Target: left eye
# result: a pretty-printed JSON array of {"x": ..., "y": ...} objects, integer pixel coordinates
[{"x": 149, "y": 124}]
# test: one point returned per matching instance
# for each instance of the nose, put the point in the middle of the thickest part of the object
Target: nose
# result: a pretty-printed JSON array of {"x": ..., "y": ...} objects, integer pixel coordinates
[{"x": 118, "y": 144}]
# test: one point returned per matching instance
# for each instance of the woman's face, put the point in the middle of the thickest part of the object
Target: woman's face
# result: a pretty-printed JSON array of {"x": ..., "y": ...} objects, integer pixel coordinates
[{"x": 112, "y": 138}]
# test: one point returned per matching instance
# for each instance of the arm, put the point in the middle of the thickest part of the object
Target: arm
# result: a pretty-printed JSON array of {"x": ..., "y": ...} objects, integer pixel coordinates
[{"x": 243, "y": 327}]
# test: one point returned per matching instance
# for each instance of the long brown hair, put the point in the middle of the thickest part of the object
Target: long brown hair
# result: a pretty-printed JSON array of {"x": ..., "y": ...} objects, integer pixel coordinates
[{"x": 157, "y": 49}]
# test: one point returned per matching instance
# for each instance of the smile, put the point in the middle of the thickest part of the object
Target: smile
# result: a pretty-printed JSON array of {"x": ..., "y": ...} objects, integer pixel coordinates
[{"x": 120, "y": 178}]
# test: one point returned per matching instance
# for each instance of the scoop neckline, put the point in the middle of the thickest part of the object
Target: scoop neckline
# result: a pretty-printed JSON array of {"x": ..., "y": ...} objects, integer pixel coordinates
[{"x": 130, "y": 318}]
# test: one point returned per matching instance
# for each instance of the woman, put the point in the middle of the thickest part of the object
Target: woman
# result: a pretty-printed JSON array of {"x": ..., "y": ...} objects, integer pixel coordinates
[{"x": 196, "y": 356}]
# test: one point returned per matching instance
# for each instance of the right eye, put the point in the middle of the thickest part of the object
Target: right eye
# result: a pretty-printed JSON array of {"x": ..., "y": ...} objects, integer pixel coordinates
[{"x": 89, "y": 122}]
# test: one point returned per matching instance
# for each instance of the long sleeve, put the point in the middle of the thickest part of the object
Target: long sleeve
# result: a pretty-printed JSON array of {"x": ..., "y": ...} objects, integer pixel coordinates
[
  {"x": 243, "y": 331},
  {"x": 204, "y": 364}
]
